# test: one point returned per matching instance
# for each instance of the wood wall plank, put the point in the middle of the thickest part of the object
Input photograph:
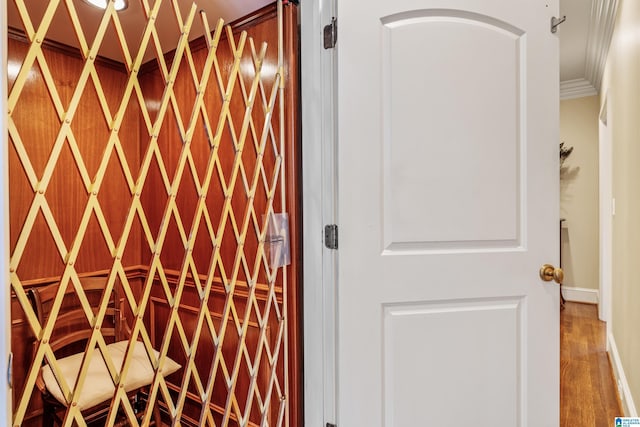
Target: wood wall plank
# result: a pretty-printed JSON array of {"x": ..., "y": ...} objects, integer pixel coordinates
[{"x": 38, "y": 125}]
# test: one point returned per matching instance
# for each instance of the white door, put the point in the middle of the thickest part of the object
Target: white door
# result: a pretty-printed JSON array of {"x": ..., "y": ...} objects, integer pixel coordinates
[{"x": 448, "y": 206}]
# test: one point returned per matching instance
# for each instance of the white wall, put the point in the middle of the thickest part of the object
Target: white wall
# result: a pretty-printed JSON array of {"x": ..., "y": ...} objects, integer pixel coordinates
[
  {"x": 621, "y": 83},
  {"x": 579, "y": 196}
]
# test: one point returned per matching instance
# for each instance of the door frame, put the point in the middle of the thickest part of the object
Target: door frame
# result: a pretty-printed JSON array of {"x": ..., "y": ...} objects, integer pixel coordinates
[
  {"x": 5, "y": 308},
  {"x": 606, "y": 200},
  {"x": 319, "y": 206}
]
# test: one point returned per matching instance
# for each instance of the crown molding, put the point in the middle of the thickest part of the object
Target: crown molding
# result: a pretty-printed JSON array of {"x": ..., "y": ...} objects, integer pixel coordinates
[
  {"x": 577, "y": 88},
  {"x": 603, "y": 16}
]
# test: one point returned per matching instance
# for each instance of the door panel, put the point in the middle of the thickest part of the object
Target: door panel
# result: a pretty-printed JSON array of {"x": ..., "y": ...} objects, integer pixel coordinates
[
  {"x": 448, "y": 206},
  {"x": 478, "y": 204},
  {"x": 472, "y": 345}
]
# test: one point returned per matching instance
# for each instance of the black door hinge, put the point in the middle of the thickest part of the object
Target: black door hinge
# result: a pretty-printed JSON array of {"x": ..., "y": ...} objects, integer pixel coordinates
[
  {"x": 331, "y": 34},
  {"x": 331, "y": 236},
  {"x": 331, "y": 425}
]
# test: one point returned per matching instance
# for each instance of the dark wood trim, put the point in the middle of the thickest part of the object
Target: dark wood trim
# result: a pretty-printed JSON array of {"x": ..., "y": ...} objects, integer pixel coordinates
[
  {"x": 193, "y": 310},
  {"x": 262, "y": 290},
  {"x": 132, "y": 272},
  {"x": 265, "y": 13},
  {"x": 74, "y": 52},
  {"x": 141, "y": 272},
  {"x": 294, "y": 207},
  {"x": 190, "y": 421},
  {"x": 261, "y": 15},
  {"x": 30, "y": 416}
]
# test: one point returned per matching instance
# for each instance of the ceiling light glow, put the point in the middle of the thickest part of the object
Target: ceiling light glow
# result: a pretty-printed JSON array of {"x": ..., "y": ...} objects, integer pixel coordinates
[
  {"x": 102, "y": 4},
  {"x": 13, "y": 68}
]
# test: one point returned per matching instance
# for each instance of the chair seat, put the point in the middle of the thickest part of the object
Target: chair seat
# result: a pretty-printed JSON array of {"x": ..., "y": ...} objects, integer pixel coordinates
[{"x": 99, "y": 386}]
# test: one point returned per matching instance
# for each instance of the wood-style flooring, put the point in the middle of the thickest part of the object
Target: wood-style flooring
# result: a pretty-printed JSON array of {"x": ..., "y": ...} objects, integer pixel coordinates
[{"x": 588, "y": 396}]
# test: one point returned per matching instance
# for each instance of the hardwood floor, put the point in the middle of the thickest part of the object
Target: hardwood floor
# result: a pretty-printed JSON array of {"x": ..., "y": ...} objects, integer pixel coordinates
[{"x": 588, "y": 396}]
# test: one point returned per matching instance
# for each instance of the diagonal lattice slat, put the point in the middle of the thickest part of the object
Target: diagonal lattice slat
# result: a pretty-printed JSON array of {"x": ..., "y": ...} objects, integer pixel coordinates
[{"x": 238, "y": 187}]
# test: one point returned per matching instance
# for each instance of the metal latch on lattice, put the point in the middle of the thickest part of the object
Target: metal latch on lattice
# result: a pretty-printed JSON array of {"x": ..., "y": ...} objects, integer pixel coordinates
[
  {"x": 331, "y": 34},
  {"x": 277, "y": 243},
  {"x": 331, "y": 425},
  {"x": 10, "y": 371},
  {"x": 331, "y": 236}
]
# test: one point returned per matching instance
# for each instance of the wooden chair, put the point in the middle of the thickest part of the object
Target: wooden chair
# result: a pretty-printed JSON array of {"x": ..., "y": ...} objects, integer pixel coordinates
[{"x": 68, "y": 341}]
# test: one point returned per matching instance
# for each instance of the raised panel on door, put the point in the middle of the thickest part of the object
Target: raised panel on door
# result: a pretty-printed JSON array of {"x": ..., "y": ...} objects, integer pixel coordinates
[
  {"x": 445, "y": 107},
  {"x": 468, "y": 346}
]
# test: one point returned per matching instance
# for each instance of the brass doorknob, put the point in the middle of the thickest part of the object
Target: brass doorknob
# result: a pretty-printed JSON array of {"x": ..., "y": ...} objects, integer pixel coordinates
[{"x": 548, "y": 273}]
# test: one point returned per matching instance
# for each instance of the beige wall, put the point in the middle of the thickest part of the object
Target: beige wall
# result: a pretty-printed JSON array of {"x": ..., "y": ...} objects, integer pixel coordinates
[
  {"x": 579, "y": 192},
  {"x": 621, "y": 89}
]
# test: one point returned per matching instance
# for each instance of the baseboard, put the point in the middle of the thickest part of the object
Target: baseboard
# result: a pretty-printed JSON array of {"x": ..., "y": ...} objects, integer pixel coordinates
[
  {"x": 626, "y": 398},
  {"x": 584, "y": 295}
]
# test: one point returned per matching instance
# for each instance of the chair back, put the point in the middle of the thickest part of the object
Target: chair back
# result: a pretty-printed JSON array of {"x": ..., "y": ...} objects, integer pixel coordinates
[{"x": 72, "y": 328}]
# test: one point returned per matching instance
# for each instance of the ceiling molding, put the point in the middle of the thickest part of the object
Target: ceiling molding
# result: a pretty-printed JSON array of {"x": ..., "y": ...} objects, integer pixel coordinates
[
  {"x": 603, "y": 16},
  {"x": 578, "y": 88}
]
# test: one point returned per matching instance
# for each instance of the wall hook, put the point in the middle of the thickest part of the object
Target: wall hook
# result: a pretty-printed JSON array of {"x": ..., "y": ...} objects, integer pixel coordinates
[{"x": 555, "y": 22}]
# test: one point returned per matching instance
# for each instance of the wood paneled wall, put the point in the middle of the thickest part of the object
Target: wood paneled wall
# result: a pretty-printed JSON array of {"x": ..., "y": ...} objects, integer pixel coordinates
[
  {"x": 159, "y": 313},
  {"x": 262, "y": 27},
  {"x": 38, "y": 124}
]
